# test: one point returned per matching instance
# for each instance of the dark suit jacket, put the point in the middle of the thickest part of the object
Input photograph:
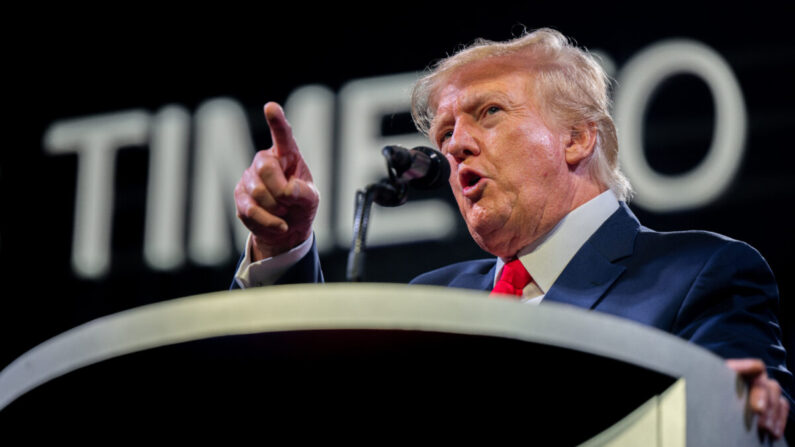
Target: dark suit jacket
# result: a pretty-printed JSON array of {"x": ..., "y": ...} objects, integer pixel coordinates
[{"x": 706, "y": 288}]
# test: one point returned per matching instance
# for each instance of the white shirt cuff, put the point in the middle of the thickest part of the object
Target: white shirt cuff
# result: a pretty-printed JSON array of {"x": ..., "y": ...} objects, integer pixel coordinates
[{"x": 269, "y": 270}]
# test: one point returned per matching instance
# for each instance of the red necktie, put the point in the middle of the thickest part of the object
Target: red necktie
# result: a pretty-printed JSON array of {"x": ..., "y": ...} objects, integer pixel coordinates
[{"x": 513, "y": 279}]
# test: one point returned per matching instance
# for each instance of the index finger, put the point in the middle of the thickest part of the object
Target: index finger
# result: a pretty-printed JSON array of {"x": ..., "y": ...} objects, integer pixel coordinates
[{"x": 281, "y": 133}]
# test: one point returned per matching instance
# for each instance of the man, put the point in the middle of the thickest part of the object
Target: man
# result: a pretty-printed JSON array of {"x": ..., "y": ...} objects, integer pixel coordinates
[{"x": 533, "y": 153}]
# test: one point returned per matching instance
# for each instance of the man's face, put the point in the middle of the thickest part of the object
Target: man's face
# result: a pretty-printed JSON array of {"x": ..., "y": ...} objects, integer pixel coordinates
[{"x": 508, "y": 168}]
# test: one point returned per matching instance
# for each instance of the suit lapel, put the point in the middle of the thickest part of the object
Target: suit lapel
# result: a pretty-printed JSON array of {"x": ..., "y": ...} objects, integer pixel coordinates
[{"x": 593, "y": 269}]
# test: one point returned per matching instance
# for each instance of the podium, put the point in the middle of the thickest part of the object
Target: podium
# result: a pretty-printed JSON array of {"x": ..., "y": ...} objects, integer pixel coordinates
[{"x": 383, "y": 362}]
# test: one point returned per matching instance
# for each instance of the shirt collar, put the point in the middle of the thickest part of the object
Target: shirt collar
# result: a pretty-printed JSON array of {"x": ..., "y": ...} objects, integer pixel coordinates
[{"x": 546, "y": 258}]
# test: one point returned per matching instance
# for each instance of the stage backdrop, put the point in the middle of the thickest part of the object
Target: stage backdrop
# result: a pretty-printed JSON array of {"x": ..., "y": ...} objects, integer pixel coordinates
[{"x": 125, "y": 137}]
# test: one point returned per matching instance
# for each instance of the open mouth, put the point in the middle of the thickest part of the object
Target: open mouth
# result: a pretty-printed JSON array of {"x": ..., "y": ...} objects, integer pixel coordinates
[{"x": 469, "y": 179}]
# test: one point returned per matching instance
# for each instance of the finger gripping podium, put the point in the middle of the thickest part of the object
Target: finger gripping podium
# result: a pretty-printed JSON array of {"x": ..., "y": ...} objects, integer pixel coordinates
[{"x": 378, "y": 361}]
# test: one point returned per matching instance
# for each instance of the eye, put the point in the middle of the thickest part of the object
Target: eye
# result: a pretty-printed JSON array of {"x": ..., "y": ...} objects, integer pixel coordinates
[
  {"x": 493, "y": 109},
  {"x": 446, "y": 135}
]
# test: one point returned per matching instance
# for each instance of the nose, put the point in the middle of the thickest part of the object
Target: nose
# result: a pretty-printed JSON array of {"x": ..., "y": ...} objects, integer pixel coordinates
[{"x": 463, "y": 143}]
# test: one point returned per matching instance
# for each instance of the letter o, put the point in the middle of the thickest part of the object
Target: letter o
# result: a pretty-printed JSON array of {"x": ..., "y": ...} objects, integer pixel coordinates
[{"x": 637, "y": 82}]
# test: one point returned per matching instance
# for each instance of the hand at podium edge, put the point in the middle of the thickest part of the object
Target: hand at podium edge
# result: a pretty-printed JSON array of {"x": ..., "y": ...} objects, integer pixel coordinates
[
  {"x": 276, "y": 198},
  {"x": 764, "y": 397}
]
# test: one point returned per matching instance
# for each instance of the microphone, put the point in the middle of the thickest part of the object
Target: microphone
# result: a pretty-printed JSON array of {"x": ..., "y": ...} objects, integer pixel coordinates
[{"x": 422, "y": 167}]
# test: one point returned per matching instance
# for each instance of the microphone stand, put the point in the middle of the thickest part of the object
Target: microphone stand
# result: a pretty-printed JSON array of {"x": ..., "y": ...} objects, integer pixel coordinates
[{"x": 391, "y": 191}]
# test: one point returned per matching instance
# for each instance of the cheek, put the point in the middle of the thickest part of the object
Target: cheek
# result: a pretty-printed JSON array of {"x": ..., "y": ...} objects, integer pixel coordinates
[
  {"x": 453, "y": 179},
  {"x": 541, "y": 158},
  {"x": 453, "y": 169}
]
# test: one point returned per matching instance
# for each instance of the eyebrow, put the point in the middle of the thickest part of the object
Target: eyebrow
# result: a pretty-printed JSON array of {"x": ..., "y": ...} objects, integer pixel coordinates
[{"x": 472, "y": 102}]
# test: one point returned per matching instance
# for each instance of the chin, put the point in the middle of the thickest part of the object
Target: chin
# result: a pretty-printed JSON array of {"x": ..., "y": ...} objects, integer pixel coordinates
[{"x": 492, "y": 243}]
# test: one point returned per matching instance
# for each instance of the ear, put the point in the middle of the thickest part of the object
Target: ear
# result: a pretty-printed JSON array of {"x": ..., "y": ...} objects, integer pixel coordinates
[{"x": 581, "y": 143}]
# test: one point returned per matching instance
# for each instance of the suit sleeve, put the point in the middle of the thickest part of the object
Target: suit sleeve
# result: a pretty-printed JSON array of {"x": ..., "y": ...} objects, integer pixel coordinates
[
  {"x": 731, "y": 309},
  {"x": 306, "y": 270}
]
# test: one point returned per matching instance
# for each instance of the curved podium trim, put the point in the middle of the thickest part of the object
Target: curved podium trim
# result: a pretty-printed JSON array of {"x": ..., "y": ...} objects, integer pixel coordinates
[{"x": 710, "y": 384}]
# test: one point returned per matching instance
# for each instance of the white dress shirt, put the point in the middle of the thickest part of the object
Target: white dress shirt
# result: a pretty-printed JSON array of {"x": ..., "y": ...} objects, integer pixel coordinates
[
  {"x": 265, "y": 272},
  {"x": 546, "y": 258}
]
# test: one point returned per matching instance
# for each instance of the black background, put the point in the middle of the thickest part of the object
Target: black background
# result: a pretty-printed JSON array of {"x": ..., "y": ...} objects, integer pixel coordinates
[{"x": 61, "y": 64}]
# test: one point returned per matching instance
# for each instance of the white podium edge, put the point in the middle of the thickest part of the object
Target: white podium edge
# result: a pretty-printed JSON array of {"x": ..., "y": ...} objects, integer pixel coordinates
[{"x": 710, "y": 384}]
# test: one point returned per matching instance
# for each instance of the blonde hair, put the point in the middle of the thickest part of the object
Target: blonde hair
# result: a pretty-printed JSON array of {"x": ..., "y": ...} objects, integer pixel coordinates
[{"x": 571, "y": 86}]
